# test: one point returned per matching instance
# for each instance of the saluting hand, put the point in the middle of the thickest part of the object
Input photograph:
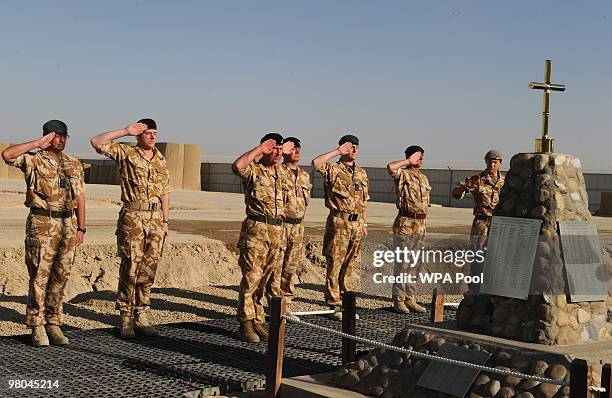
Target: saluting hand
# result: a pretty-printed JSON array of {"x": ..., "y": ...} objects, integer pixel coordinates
[
  {"x": 414, "y": 158},
  {"x": 345, "y": 148},
  {"x": 45, "y": 141},
  {"x": 267, "y": 146},
  {"x": 288, "y": 147},
  {"x": 136, "y": 128}
]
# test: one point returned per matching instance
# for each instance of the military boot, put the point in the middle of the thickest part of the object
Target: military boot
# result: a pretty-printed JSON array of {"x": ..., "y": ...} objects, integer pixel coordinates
[
  {"x": 413, "y": 306},
  {"x": 261, "y": 331},
  {"x": 56, "y": 337},
  {"x": 39, "y": 336},
  {"x": 126, "y": 328},
  {"x": 247, "y": 332},
  {"x": 399, "y": 306},
  {"x": 142, "y": 325}
]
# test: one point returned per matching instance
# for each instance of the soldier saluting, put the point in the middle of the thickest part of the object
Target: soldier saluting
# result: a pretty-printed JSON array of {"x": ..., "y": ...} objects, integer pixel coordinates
[
  {"x": 297, "y": 196},
  {"x": 412, "y": 190},
  {"x": 55, "y": 188},
  {"x": 346, "y": 196},
  {"x": 485, "y": 188},
  {"x": 262, "y": 236},
  {"x": 143, "y": 220}
]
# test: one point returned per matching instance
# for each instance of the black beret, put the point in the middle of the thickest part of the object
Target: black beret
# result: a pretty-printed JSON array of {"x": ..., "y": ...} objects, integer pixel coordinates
[
  {"x": 296, "y": 141},
  {"x": 349, "y": 138},
  {"x": 151, "y": 125},
  {"x": 55, "y": 126},
  {"x": 413, "y": 149},
  {"x": 272, "y": 136}
]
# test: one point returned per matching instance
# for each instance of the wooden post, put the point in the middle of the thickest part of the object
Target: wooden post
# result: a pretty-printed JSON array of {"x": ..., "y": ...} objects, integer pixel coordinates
[
  {"x": 437, "y": 306},
  {"x": 276, "y": 346},
  {"x": 349, "y": 321},
  {"x": 606, "y": 380},
  {"x": 579, "y": 379}
]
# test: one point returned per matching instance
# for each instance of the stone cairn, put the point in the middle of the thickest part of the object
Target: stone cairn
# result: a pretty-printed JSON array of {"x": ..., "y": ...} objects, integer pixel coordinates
[
  {"x": 389, "y": 374},
  {"x": 550, "y": 187}
]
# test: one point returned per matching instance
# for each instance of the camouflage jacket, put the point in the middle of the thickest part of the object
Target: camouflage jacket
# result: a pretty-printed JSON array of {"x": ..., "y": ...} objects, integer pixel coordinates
[
  {"x": 264, "y": 191},
  {"x": 142, "y": 180},
  {"x": 346, "y": 187},
  {"x": 412, "y": 191},
  {"x": 298, "y": 189},
  {"x": 52, "y": 183},
  {"x": 485, "y": 191}
]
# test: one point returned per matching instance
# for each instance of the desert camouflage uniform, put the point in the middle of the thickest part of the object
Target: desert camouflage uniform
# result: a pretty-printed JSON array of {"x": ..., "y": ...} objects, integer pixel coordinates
[
  {"x": 50, "y": 242},
  {"x": 260, "y": 243},
  {"x": 412, "y": 200},
  {"x": 297, "y": 196},
  {"x": 140, "y": 233},
  {"x": 346, "y": 194},
  {"x": 485, "y": 190}
]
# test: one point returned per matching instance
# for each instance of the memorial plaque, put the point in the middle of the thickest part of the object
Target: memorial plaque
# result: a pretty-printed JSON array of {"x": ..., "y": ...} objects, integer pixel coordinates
[
  {"x": 456, "y": 379},
  {"x": 509, "y": 258},
  {"x": 583, "y": 260}
]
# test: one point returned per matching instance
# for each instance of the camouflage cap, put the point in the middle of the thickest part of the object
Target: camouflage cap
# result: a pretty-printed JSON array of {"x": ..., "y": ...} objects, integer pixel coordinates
[{"x": 493, "y": 154}]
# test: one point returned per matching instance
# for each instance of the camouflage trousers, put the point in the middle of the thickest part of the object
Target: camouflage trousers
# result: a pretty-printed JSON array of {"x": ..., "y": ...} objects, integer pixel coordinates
[
  {"x": 260, "y": 256},
  {"x": 342, "y": 250},
  {"x": 479, "y": 232},
  {"x": 49, "y": 254},
  {"x": 407, "y": 233},
  {"x": 478, "y": 240},
  {"x": 140, "y": 243},
  {"x": 282, "y": 282}
]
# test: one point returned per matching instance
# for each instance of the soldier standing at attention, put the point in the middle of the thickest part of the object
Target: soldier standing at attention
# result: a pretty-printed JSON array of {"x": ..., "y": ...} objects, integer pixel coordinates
[
  {"x": 143, "y": 220},
  {"x": 55, "y": 188},
  {"x": 412, "y": 189},
  {"x": 297, "y": 196},
  {"x": 261, "y": 237},
  {"x": 485, "y": 188},
  {"x": 346, "y": 196}
]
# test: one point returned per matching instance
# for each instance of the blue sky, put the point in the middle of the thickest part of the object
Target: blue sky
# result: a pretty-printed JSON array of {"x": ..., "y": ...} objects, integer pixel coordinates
[{"x": 450, "y": 76}]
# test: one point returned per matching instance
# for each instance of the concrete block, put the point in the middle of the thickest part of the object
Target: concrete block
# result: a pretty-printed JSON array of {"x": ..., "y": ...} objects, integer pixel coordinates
[
  {"x": 191, "y": 167},
  {"x": 3, "y": 166},
  {"x": 175, "y": 158}
]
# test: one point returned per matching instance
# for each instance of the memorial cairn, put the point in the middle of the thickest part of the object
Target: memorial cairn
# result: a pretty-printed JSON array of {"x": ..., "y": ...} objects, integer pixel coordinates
[{"x": 545, "y": 283}]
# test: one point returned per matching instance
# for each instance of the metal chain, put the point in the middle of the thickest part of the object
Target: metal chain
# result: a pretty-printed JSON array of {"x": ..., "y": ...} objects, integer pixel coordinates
[
  {"x": 320, "y": 312},
  {"x": 435, "y": 357}
]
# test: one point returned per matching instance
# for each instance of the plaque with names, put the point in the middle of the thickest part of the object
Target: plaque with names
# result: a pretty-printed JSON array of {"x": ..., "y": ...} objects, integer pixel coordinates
[
  {"x": 583, "y": 260},
  {"x": 511, "y": 250},
  {"x": 456, "y": 379}
]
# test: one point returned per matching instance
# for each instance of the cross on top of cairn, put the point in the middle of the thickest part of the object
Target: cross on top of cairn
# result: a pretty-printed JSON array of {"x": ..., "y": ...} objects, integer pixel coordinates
[{"x": 545, "y": 144}]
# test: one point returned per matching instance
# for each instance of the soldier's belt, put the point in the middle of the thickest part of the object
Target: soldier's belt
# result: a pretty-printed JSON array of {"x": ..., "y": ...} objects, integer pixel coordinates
[
  {"x": 346, "y": 216},
  {"x": 409, "y": 214},
  {"x": 142, "y": 206},
  {"x": 267, "y": 220},
  {"x": 51, "y": 213},
  {"x": 482, "y": 217},
  {"x": 294, "y": 221}
]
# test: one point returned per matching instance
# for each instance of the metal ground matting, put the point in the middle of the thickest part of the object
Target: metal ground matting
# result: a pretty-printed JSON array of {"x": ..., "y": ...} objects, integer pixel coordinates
[{"x": 188, "y": 359}]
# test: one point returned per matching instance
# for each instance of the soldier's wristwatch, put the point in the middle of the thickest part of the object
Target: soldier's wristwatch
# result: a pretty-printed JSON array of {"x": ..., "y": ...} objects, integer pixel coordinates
[{"x": 84, "y": 230}]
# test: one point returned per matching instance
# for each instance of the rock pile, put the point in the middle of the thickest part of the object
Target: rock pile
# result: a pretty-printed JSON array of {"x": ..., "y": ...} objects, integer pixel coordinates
[
  {"x": 549, "y": 187},
  {"x": 388, "y": 374}
]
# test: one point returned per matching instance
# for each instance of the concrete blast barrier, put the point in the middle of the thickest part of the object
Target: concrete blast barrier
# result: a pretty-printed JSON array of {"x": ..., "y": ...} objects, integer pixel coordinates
[
  {"x": 191, "y": 167},
  {"x": 3, "y": 166},
  {"x": 605, "y": 205},
  {"x": 175, "y": 159}
]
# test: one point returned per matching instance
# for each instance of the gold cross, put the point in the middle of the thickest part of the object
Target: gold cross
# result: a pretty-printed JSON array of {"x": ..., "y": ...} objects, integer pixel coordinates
[{"x": 545, "y": 144}]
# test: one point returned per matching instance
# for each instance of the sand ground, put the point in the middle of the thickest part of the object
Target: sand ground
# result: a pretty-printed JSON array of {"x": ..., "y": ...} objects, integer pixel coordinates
[{"x": 198, "y": 279}]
